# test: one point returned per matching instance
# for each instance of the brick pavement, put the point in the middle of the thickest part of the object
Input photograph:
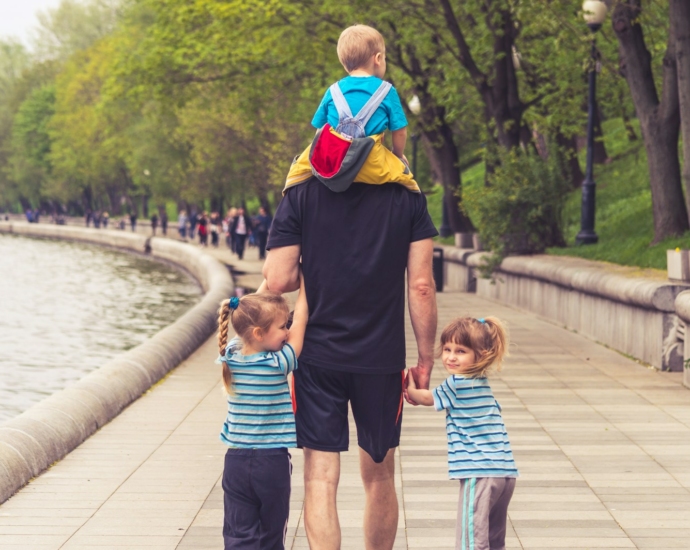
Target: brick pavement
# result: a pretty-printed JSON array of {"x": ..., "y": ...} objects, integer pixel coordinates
[{"x": 602, "y": 444}]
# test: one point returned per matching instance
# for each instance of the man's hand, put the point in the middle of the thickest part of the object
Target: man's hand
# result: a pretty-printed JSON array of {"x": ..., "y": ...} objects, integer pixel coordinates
[{"x": 417, "y": 377}]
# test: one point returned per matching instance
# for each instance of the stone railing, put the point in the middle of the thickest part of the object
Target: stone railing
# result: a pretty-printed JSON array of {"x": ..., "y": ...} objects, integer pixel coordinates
[
  {"x": 631, "y": 311},
  {"x": 49, "y": 430},
  {"x": 683, "y": 311}
]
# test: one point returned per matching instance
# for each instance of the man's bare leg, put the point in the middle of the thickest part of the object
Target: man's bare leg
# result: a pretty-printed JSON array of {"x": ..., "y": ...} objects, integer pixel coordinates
[
  {"x": 381, "y": 506},
  {"x": 321, "y": 476}
]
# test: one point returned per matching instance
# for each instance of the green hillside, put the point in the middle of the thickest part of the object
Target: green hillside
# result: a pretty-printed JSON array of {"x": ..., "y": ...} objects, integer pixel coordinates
[{"x": 624, "y": 210}]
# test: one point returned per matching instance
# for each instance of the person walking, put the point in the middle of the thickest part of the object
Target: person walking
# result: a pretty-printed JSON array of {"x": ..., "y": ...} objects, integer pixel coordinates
[
  {"x": 263, "y": 225},
  {"x": 361, "y": 250},
  {"x": 164, "y": 223},
  {"x": 203, "y": 229},
  {"x": 182, "y": 225},
  {"x": 154, "y": 223},
  {"x": 106, "y": 219},
  {"x": 241, "y": 228},
  {"x": 193, "y": 221},
  {"x": 229, "y": 234},
  {"x": 214, "y": 228}
]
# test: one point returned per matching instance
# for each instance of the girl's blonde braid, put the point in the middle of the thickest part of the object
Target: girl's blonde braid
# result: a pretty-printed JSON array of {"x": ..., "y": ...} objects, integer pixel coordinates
[{"x": 223, "y": 327}]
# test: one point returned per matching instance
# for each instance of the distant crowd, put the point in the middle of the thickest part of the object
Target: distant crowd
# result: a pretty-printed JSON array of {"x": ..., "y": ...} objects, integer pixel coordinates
[{"x": 238, "y": 228}]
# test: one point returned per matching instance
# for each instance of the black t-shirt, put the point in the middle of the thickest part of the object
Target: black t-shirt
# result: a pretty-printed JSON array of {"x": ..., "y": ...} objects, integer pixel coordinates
[{"x": 355, "y": 247}]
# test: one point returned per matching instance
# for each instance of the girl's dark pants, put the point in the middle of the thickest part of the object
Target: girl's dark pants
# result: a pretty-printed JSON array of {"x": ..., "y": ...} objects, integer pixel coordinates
[{"x": 256, "y": 485}]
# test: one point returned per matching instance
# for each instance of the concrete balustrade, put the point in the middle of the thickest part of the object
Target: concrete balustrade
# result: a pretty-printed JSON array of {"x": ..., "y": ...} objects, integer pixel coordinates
[
  {"x": 614, "y": 305},
  {"x": 52, "y": 428}
]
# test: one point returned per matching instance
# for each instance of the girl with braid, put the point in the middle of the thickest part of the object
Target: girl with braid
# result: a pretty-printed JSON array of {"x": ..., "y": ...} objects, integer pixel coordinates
[{"x": 260, "y": 424}]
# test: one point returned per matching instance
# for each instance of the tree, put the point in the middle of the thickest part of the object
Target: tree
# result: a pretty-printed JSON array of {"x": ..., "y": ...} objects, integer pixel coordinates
[
  {"x": 73, "y": 26},
  {"x": 659, "y": 117},
  {"x": 29, "y": 163},
  {"x": 680, "y": 18}
]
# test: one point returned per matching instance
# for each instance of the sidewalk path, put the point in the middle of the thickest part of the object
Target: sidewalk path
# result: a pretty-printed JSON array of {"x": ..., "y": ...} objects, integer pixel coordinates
[{"x": 602, "y": 443}]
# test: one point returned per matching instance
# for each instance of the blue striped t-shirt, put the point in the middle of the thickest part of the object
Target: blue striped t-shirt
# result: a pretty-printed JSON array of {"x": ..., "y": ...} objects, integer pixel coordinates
[
  {"x": 260, "y": 410},
  {"x": 478, "y": 444}
]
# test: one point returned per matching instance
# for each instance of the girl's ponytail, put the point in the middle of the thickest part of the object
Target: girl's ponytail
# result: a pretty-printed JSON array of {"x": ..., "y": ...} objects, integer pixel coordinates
[
  {"x": 223, "y": 328},
  {"x": 498, "y": 347}
]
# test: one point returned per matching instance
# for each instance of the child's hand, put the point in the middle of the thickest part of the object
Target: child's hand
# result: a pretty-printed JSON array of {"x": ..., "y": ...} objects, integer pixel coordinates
[{"x": 410, "y": 380}]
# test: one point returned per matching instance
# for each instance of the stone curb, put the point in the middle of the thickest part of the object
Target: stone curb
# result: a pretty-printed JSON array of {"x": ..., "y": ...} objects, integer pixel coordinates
[
  {"x": 683, "y": 306},
  {"x": 584, "y": 276},
  {"x": 52, "y": 428}
]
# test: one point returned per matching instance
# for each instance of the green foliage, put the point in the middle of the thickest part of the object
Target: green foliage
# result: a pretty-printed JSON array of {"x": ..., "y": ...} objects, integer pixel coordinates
[
  {"x": 624, "y": 220},
  {"x": 520, "y": 211},
  {"x": 30, "y": 164}
]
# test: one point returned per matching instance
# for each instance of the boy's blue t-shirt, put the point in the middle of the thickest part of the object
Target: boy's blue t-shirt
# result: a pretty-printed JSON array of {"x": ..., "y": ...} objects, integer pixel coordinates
[{"x": 357, "y": 91}]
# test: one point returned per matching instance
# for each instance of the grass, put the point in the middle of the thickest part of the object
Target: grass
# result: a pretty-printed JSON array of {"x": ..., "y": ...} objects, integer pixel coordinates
[
  {"x": 624, "y": 220},
  {"x": 471, "y": 177}
]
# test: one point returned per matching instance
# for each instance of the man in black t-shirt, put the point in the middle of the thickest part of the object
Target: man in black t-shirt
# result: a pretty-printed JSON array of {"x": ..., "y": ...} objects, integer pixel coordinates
[{"x": 356, "y": 247}]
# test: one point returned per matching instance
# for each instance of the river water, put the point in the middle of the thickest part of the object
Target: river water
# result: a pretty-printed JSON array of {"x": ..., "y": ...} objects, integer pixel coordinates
[{"x": 67, "y": 308}]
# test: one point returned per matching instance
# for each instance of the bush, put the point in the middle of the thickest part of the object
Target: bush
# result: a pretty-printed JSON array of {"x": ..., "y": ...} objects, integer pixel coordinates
[{"x": 520, "y": 211}]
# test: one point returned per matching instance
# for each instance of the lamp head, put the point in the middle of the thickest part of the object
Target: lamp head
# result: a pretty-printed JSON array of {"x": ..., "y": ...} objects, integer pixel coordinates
[
  {"x": 415, "y": 105},
  {"x": 594, "y": 13}
]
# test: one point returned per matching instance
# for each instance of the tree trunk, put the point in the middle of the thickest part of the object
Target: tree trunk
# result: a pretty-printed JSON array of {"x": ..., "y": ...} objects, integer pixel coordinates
[
  {"x": 445, "y": 162},
  {"x": 502, "y": 99},
  {"x": 568, "y": 148},
  {"x": 659, "y": 120},
  {"x": 680, "y": 16}
]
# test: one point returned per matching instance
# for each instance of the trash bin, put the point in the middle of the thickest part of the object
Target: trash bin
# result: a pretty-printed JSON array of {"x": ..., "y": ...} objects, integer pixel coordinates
[{"x": 438, "y": 269}]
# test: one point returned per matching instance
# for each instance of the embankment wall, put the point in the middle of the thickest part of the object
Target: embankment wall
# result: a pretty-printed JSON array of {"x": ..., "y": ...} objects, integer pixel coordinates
[{"x": 45, "y": 433}]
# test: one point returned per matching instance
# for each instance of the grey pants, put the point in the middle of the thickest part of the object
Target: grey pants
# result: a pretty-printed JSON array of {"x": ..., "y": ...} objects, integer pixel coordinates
[{"x": 483, "y": 513}]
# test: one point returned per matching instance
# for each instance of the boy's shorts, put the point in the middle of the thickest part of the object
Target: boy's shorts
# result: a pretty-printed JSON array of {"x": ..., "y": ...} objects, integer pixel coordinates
[{"x": 321, "y": 399}]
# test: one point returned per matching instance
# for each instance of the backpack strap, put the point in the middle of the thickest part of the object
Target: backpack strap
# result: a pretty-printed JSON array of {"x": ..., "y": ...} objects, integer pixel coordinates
[
  {"x": 374, "y": 102},
  {"x": 340, "y": 102}
]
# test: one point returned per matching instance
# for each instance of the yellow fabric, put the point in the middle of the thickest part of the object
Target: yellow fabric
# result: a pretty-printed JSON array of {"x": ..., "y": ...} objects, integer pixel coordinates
[{"x": 381, "y": 166}]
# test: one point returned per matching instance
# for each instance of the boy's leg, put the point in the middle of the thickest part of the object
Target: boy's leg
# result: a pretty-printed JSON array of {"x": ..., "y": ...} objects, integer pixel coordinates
[{"x": 241, "y": 523}]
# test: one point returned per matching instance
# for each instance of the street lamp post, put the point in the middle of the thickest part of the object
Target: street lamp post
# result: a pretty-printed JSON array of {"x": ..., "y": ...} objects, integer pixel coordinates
[
  {"x": 445, "y": 230},
  {"x": 594, "y": 14}
]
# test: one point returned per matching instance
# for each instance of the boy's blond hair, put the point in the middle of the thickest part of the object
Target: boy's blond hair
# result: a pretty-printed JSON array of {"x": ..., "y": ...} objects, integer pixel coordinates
[{"x": 357, "y": 44}]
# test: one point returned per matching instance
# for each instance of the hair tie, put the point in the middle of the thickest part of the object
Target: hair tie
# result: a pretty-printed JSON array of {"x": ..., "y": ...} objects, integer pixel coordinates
[
  {"x": 482, "y": 320},
  {"x": 233, "y": 303}
]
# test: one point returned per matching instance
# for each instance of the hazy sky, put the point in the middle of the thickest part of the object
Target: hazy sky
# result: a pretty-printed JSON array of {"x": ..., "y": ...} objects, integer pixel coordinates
[{"x": 18, "y": 17}]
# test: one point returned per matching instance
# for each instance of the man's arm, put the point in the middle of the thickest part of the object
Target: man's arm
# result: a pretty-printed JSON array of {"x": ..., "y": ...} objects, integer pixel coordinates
[
  {"x": 421, "y": 292},
  {"x": 281, "y": 268}
]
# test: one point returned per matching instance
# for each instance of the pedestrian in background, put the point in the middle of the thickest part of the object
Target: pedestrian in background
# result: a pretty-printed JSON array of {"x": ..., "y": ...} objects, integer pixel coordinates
[
  {"x": 182, "y": 225},
  {"x": 262, "y": 227},
  {"x": 230, "y": 234},
  {"x": 203, "y": 229},
  {"x": 241, "y": 227},
  {"x": 214, "y": 228},
  {"x": 133, "y": 220},
  {"x": 193, "y": 221},
  {"x": 106, "y": 218},
  {"x": 164, "y": 223},
  {"x": 154, "y": 223}
]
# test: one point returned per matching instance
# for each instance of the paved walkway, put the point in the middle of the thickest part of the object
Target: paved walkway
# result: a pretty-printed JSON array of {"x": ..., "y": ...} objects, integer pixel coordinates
[{"x": 602, "y": 443}]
